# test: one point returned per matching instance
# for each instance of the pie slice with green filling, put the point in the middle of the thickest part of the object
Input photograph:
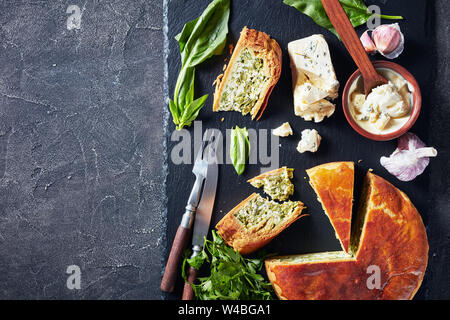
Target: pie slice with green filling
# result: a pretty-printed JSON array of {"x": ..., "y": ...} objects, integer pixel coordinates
[
  {"x": 276, "y": 183},
  {"x": 251, "y": 75},
  {"x": 256, "y": 221}
]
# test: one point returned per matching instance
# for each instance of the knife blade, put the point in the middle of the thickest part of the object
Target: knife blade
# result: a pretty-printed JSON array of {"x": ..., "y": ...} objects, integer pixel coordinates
[
  {"x": 184, "y": 229},
  {"x": 204, "y": 211},
  {"x": 205, "y": 208}
]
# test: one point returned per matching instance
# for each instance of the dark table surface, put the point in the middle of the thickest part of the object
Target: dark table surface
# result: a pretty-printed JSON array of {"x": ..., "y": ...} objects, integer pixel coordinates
[{"x": 83, "y": 142}]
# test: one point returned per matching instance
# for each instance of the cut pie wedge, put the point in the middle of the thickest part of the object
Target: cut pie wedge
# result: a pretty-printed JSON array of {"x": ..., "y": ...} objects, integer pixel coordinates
[
  {"x": 256, "y": 221},
  {"x": 389, "y": 257},
  {"x": 333, "y": 184},
  {"x": 251, "y": 75},
  {"x": 276, "y": 183}
]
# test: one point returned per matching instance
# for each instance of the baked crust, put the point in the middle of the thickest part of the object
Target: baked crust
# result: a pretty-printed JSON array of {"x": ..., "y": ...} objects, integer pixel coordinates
[
  {"x": 262, "y": 46},
  {"x": 262, "y": 176},
  {"x": 245, "y": 241},
  {"x": 333, "y": 184},
  {"x": 393, "y": 238}
]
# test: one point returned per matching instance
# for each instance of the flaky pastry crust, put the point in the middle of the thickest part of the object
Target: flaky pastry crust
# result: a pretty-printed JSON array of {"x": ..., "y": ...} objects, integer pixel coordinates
[
  {"x": 262, "y": 46},
  {"x": 393, "y": 243},
  {"x": 245, "y": 241}
]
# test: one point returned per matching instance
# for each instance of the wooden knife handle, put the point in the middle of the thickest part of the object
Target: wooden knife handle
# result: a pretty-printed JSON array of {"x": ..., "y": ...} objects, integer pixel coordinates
[
  {"x": 178, "y": 247},
  {"x": 188, "y": 293},
  {"x": 348, "y": 35}
]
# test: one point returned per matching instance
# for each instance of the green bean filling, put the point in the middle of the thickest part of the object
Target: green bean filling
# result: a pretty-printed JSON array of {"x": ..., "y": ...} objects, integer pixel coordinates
[
  {"x": 261, "y": 213},
  {"x": 244, "y": 86},
  {"x": 279, "y": 186}
]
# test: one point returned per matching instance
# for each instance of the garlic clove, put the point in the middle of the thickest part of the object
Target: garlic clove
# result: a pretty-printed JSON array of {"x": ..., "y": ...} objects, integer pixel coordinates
[
  {"x": 404, "y": 165},
  {"x": 410, "y": 158},
  {"x": 389, "y": 40},
  {"x": 410, "y": 141},
  {"x": 368, "y": 43}
]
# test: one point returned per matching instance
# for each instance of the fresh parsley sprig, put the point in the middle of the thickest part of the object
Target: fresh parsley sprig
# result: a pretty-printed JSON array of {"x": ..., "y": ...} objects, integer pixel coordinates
[{"x": 232, "y": 276}]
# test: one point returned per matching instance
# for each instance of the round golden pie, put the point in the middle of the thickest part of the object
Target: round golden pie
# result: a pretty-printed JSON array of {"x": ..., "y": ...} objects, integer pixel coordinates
[{"x": 387, "y": 256}]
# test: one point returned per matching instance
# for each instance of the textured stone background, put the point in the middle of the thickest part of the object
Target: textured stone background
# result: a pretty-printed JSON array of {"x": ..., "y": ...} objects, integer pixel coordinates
[
  {"x": 439, "y": 218},
  {"x": 82, "y": 147}
]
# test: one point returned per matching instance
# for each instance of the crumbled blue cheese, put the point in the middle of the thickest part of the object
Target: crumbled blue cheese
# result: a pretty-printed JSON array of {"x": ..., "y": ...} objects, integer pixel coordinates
[
  {"x": 386, "y": 108},
  {"x": 358, "y": 100},
  {"x": 383, "y": 103},
  {"x": 316, "y": 111},
  {"x": 309, "y": 94},
  {"x": 283, "y": 131},
  {"x": 314, "y": 78},
  {"x": 310, "y": 141},
  {"x": 387, "y": 99}
]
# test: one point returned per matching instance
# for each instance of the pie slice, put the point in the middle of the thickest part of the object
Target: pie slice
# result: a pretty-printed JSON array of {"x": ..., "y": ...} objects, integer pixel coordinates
[
  {"x": 251, "y": 75},
  {"x": 333, "y": 184},
  {"x": 256, "y": 221},
  {"x": 276, "y": 183},
  {"x": 390, "y": 257}
]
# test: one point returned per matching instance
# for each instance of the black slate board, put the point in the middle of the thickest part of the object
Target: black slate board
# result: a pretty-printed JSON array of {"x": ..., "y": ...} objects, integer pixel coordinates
[{"x": 313, "y": 233}]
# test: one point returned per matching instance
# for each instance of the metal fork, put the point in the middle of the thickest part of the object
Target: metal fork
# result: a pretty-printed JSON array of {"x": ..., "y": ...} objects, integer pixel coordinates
[{"x": 184, "y": 230}]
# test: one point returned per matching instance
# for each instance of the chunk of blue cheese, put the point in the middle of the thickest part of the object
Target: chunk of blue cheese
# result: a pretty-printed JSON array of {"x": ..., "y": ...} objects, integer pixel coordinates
[
  {"x": 313, "y": 77},
  {"x": 310, "y": 141},
  {"x": 283, "y": 131}
]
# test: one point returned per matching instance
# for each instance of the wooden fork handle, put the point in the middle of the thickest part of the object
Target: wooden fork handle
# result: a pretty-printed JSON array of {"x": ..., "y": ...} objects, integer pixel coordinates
[
  {"x": 348, "y": 35},
  {"x": 188, "y": 293}
]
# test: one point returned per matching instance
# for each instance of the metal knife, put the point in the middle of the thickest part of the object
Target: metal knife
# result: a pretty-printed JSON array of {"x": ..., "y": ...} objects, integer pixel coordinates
[
  {"x": 184, "y": 230},
  {"x": 204, "y": 212}
]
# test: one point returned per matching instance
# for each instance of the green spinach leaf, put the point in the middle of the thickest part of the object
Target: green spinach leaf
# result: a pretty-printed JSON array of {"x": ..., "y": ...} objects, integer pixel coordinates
[
  {"x": 239, "y": 148},
  {"x": 199, "y": 40},
  {"x": 356, "y": 11}
]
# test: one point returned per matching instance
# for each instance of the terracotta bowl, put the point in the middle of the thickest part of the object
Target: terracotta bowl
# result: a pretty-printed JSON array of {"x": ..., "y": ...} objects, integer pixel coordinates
[{"x": 417, "y": 102}]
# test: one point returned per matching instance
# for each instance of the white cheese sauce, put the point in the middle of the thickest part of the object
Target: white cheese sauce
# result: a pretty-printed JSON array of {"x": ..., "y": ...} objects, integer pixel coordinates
[{"x": 382, "y": 118}]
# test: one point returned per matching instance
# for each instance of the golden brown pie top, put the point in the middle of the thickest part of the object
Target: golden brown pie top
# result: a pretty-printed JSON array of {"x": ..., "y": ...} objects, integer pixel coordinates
[
  {"x": 393, "y": 243},
  {"x": 333, "y": 184}
]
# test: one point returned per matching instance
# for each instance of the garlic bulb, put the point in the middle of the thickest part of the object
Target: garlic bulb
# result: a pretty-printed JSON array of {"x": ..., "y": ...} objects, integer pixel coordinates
[
  {"x": 368, "y": 43},
  {"x": 409, "y": 159},
  {"x": 387, "y": 39}
]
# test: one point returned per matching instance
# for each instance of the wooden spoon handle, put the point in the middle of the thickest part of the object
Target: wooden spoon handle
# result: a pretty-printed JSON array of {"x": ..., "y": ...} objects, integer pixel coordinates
[
  {"x": 348, "y": 35},
  {"x": 188, "y": 293},
  {"x": 345, "y": 30}
]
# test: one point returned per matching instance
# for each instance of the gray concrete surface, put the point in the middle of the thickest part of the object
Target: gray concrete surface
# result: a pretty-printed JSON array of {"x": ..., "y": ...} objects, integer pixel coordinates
[
  {"x": 82, "y": 145},
  {"x": 81, "y": 149}
]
